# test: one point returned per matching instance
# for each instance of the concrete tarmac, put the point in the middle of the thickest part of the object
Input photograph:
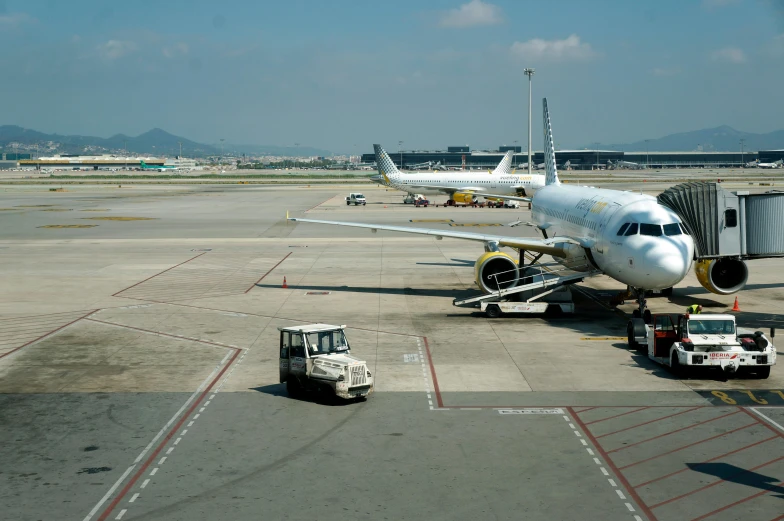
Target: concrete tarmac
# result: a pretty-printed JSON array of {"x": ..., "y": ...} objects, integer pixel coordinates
[{"x": 138, "y": 372}]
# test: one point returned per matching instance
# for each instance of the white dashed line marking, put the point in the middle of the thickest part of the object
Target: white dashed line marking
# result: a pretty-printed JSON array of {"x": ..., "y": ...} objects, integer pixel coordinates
[
  {"x": 207, "y": 403},
  {"x": 596, "y": 460},
  {"x": 154, "y": 471},
  {"x": 196, "y": 417},
  {"x": 631, "y": 508},
  {"x": 612, "y": 482},
  {"x": 177, "y": 441},
  {"x": 620, "y": 494},
  {"x": 571, "y": 426},
  {"x": 583, "y": 442},
  {"x": 578, "y": 434},
  {"x": 122, "y": 513},
  {"x": 146, "y": 481},
  {"x": 133, "y": 498},
  {"x": 190, "y": 423},
  {"x": 604, "y": 471},
  {"x": 170, "y": 450},
  {"x": 202, "y": 409},
  {"x": 589, "y": 451},
  {"x": 184, "y": 432},
  {"x": 162, "y": 460}
]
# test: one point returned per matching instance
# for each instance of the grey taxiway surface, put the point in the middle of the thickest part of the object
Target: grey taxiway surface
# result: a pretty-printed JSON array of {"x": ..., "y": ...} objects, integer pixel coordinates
[{"x": 138, "y": 373}]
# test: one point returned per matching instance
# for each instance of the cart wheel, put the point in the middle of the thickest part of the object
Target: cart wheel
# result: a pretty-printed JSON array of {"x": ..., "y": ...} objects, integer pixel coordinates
[
  {"x": 763, "y": 372},
  {"x": 676, "y": 367},
  {"x": 292, "y": 387},
  {"x": 493, "y": 311},
  {"x": 630, "y": 335}
]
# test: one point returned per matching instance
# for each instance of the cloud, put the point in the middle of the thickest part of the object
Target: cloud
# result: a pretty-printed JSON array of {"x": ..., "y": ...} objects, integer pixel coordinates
[
  {"x": 472, "y": 14},
  {"x": 729, "y": 54},
  {"x": 114, "y": 49},
  {"x": 570, "y": 48},
  {"x": 178, "y": 49},
  {"x": 13, "y": 20},
  {"x": 658, "y": 71}
]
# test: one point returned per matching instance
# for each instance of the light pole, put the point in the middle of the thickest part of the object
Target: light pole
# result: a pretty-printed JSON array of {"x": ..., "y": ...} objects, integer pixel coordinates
[
  {"x": 220, "y": 161},
  {"x": 597, "y": 155},
  {"x": 514, "y": 155},
  {"x": 529, "y": 72},
  {"x": 647, "y": 161},
  {"x": 400, "y": 147},
  {"x": 180, "y": 143},
  {"x": 742, "y": 164}
]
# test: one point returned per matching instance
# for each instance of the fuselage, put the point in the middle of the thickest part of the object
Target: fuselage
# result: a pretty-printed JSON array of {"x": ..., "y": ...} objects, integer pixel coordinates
[
  {"x": 628, "y": 236},
  {"x": 435, "y": 183}
]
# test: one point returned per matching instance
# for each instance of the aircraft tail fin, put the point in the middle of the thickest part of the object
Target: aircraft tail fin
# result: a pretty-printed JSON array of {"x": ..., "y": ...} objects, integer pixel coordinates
[
  {"x": 142, "y": 162},
  {"x": 551, "y": 173},
  {"x": 505, "y": 166},
  {"x": 386, "y": 167}
]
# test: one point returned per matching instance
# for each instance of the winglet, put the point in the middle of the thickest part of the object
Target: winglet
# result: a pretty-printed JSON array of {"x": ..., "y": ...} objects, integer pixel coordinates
[{"x": 551, "y": 173}]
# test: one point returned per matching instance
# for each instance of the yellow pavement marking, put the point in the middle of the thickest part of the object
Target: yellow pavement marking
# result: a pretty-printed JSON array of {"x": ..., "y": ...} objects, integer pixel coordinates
[
  {"x": 121, "y": 218},
  {"x": 603, "y": 338},
  {"x": 8, "y": 209},
  {"x": 55, "y": 209},
  {"x": 69, "y": 226},
  {"x": 431, "y": 220},
  {"x": 96, "y": 210},
  {"x": 34, "y": 205}
]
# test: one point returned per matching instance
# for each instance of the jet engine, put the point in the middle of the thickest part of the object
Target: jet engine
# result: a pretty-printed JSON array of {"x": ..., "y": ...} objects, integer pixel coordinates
[
  {"x": 496, "y": 270},
  {"x": 464, "y": 198},
  {"x": 722, "y": 276}
]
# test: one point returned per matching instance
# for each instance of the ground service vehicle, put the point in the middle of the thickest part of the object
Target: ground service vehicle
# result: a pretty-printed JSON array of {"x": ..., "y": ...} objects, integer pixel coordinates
[
  {"x": 355, "y": 198},
  {"x": 316, "y": 357},
  {"x": 412, "y": 198},
  {"x": 686, "y": 341}
]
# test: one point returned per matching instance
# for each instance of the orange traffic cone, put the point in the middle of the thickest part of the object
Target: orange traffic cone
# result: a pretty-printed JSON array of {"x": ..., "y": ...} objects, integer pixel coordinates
[
  {"x": 284, "y": 283},
  {"x": 736, "y": 307}
]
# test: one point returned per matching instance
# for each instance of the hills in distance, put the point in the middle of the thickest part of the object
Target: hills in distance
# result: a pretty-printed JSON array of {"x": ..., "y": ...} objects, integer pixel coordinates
[
  {"x": 156, "y": 142},
  {"x": 718, "y": 139}
]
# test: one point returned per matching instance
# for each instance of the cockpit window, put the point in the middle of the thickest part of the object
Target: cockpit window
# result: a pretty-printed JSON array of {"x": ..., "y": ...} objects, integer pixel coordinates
[
  {"x": 632, "y": 230},
  {"x": 623, "y": 228},
  {"x": 672, "y": 229},
  {"x": 653, "y": 230}
]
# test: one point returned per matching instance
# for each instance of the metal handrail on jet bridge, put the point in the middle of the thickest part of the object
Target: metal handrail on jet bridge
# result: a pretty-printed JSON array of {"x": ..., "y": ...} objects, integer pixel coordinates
[{"x": 547, "y": 279}]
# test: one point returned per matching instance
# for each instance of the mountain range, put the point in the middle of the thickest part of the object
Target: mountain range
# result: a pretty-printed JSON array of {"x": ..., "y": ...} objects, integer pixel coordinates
[
  {"x": 719, "y": 139},
  {"x": 156, "y": 142}
]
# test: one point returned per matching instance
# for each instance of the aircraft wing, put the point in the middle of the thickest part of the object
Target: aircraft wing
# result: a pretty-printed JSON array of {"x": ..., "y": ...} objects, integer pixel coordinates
[{"x": 530, "y": 244}]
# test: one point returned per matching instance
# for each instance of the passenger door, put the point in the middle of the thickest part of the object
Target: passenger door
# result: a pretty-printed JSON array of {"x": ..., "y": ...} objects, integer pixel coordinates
[
  {"x": 283, "y": 362},
  {"x": 298, "y": 363}
]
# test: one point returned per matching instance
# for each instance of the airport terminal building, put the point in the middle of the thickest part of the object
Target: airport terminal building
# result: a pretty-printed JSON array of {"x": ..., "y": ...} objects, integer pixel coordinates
[{"x": 463, "y": 157}]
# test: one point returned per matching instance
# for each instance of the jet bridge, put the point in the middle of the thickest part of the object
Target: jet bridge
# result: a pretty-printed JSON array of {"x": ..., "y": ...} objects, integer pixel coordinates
[
  {"x": 728, "y": 228},
  {"x": 729, "y": 224}
]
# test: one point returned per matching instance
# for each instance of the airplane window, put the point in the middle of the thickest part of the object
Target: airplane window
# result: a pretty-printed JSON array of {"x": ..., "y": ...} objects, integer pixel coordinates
[
  {"x": 672, "y": 229},
  {"x": 623, "y": 228},
  {"x": 632, "y": 230},
  {"x": 654, "y": 230}
]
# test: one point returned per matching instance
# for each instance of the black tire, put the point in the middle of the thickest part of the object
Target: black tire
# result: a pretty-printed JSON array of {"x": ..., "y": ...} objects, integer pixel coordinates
[
  {"x": 675, "y": 366},
  {"x": 636, "y": 313},
  {"x": 554, "y": 310},
  {"x": 348, "y": 203},
  {"x": 293, "y": 388},
  {"x": 493, "y": 311},
  {"x": 763, "y": 372},
  {"x": 634, "y": 328},
  {"x": 630, "y": 336},
  {"x": 647, "y": 316}
]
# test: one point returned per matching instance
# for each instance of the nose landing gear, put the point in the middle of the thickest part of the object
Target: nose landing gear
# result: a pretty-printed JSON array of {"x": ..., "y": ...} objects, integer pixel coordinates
[{"x": 642, "y": 310}]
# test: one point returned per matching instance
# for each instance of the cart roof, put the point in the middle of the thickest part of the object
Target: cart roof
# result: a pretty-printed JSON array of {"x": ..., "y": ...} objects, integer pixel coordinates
[{"x": 311, "y": 328}]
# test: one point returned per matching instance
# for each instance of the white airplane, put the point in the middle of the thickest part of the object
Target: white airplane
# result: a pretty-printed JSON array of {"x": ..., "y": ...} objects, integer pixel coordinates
[
  {"x": 462, "y": 187},
  {"x": 776, "y": 164},
  {"x": 627, "y": 236}
]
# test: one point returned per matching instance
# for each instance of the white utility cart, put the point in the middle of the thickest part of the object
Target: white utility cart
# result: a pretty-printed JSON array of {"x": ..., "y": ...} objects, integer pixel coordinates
[{"x": 317, "y": 357}]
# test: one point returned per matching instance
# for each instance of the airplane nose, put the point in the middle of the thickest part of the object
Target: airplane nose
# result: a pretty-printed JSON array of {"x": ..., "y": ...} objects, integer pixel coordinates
[{"x": 668, "y": 264}]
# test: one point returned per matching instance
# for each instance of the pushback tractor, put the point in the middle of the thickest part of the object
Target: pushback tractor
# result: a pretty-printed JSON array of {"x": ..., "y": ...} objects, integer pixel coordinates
[
  {"x": 685, "y": 342},
  {"x": 317, "y": 358}
]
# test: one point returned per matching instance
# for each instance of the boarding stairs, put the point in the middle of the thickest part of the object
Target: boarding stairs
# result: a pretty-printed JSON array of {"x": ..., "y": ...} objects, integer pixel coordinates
[{"x": 532, "y": 278}]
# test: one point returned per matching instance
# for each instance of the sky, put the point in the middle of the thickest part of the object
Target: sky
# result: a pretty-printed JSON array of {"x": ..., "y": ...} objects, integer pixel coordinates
[{"x": 343, "y": 75}]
